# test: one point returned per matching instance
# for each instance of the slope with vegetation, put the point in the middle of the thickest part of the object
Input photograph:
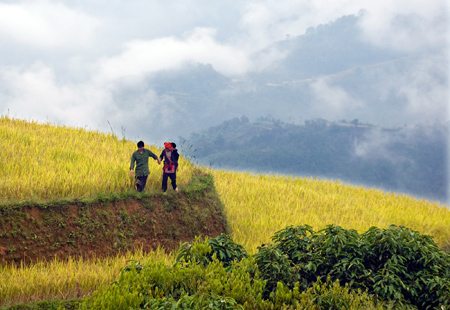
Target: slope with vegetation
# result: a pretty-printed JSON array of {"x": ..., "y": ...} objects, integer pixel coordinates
[
  {"x": 297, "y": 268},
  {"x": 42, "y": 163},
  {"x": 333, "y": 268}
]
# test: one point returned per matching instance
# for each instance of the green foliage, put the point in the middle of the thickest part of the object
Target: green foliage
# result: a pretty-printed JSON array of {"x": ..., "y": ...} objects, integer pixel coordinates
[
  {"x": 407, "y": 265},
  {"x": 226, "y": 249},
  {"x": 333, "y": 268},
  {"x": 194, "y": 302},
  {"x": 323, "y": 295},
  {"x": 222, "y": 247},
  {"x": 396, "y": 264},
  {"x": 199, "y": 252},
  {"x": 182, "y": 286},
  {"x": 275, "y": 267}
]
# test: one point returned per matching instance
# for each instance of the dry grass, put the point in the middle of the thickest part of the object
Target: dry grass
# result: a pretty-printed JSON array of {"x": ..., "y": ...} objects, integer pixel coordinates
[
  {"x": 43, "y": 162},
  {"x": 65, "y": 279},
  {"x": 256, "y": 206}
]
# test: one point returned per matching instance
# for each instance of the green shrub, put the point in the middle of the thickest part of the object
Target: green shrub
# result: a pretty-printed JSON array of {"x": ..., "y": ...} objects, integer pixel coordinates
[
  {"x": 323, "y": 295},
  {"x": 222, "y": 247},
  {"x": 274, "y": 267},
  {"x": 156, "y": 285},
  {"x": 397, "y": 264},
  {"x": 333, "y": 268},
  {"x": 407, "y": 266},
  {"x": 331, "y": 295},
  {"x": 189, "y": 302}
]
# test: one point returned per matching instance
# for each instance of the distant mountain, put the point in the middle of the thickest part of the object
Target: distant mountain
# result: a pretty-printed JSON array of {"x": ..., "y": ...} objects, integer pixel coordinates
[
  {"x": 329, "y": 72},
  {"x": 403, "y": 159},
  {"x": 325, "y": 50}
]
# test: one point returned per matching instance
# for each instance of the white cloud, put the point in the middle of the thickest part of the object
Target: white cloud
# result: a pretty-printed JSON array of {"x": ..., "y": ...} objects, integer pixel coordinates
[
  {"x": 424, "y": 90},
  {"x": 46, "y": 25},
  {"x": 35, "y": 93},
  {"x": 141, "y": 58},
  {"x": 331, "y": 101}
]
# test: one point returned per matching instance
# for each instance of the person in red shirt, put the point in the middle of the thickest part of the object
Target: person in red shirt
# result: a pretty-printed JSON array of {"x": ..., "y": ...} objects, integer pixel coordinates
[{"x": 170, "y": 156}]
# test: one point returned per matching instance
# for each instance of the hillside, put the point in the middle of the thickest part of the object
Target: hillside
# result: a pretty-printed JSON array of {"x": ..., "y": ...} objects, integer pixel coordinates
[
  {"x": 68, "y": 222},
  {"x": 408, "y": 159},
  {"x": 66, "y": 193},
  {"x": 43, "y": 162}
]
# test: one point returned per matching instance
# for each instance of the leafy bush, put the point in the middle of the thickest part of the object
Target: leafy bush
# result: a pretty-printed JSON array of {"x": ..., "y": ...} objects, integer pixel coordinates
[
  {"x": 189, "y": 302},
  {"x": 323, "y": 295},
  {"x": 183, "y": 286},
  {"x": 396, "y": 264},
  {"x": 406, "y": 265},
  {"x": 275, "y": 267},
  {"x": 333, "y": 268},
  {"x": 222, "y": 247}
]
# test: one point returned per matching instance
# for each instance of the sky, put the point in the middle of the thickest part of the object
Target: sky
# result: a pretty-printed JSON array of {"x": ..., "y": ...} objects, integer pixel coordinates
[{"x": 69, "y": 62}]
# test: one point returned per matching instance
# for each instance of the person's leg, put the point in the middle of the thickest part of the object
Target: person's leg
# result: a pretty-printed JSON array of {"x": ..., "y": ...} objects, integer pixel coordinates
[
  {"x": 137, "y": 183},
  {"x": 164, "y": 182},
  {"x": 140, "y": 183},
  {"x": 144, "y": 181},
  {"x": 173, "y": 179}
]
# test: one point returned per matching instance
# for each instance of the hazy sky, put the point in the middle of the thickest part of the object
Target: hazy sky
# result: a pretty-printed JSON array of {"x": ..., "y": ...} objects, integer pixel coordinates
[{"x": 62, "y": 61}]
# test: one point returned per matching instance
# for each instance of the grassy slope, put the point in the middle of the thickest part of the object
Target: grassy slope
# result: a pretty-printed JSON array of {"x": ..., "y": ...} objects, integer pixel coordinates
[
  {"x": 44, "y": 162},
  {"x": 256, "y": 206},
  {"x": 52, "y": 176}
]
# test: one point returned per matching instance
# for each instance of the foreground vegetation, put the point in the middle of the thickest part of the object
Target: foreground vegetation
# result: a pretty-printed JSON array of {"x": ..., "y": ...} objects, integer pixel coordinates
[
  {"x": 44, "y": 162},
  {"x": 257, "y": 206},
  {"x": 330, "y": 269}
]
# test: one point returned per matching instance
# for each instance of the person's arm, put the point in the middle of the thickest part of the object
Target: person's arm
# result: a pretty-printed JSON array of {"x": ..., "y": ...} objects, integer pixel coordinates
[
  {"x": 161, "y": 156},
  {"x": 132, "y": 162},
  {"x": 152, "y": 155}
]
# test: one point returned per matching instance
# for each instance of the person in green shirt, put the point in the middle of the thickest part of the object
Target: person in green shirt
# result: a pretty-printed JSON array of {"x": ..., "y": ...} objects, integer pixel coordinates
[{"x": 140, "y": 158}]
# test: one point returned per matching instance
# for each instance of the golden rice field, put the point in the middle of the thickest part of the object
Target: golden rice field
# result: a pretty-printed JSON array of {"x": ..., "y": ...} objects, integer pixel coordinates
[
  {"x": 71, "y": 279},
  {"x": 41, "y": 162},
  {"x": 45, "y": 162},
  {"x": 256, "y": 206}
]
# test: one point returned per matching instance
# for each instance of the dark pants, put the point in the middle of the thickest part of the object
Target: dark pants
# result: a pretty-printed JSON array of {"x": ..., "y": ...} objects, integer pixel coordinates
[
  {"x": 140, "y": 182},
  {"x": 173, "y": 178}
]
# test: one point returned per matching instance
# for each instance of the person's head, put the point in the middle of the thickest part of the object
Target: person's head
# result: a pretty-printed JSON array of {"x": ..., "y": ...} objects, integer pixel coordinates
[
  {"x": 174, "y": 146},
  {"x": 140, "y": 145},
  {"x": 168, "y": 145}
]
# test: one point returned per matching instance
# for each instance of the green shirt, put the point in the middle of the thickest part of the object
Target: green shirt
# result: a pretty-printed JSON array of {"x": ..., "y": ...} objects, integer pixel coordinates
[{"x": 141, "y": 160}]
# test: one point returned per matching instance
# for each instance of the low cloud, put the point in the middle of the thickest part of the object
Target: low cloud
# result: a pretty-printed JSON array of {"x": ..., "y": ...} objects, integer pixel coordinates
[
  {"x": 35, "y": 92},
  {"x": 331, "y": 101},
  {"x": 141, "y": 58}
]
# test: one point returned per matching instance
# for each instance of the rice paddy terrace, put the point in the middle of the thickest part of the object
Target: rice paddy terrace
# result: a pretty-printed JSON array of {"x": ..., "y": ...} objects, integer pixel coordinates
[{"x": 70, "y": 219}]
